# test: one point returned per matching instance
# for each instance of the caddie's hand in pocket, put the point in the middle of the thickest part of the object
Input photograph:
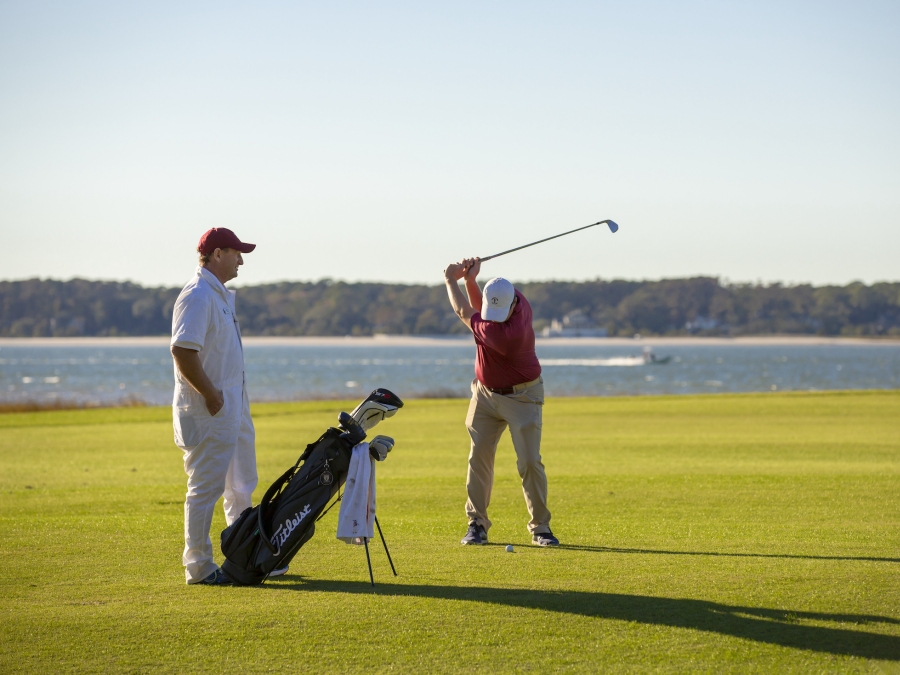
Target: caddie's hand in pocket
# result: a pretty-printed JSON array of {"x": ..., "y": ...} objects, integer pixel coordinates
[{"x": 214, "y": 403}]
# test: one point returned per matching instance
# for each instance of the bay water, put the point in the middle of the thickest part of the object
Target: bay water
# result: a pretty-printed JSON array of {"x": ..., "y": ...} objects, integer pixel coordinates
[{"x": 105, "y": 373}]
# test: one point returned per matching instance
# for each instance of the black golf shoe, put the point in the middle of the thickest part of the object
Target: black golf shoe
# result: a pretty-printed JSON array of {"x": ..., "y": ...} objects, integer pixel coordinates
[
  {"x": 217, "y": 578},
  {"x": 475, "y": 535},
  {"x": 544, "y": 539}
]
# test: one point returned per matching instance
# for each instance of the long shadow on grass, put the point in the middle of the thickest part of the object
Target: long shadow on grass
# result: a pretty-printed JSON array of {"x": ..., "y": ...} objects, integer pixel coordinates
[
  {"x": 771, "y": 626},
  {"x": 650, "y": 551}
]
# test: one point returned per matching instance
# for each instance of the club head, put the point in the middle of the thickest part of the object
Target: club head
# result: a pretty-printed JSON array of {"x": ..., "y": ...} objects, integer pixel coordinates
[
  {"x": 380, "y": 446},
  {"x": 379, "y": 405},
  {"x": 613, "y": 227}
]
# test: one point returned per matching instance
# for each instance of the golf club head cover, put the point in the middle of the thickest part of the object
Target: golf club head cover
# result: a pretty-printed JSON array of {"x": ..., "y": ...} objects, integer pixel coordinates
[
  {"x": 378, "y": 405},
  {"x": 353, "y": 432},
  {"x": 380, "y": 446}
]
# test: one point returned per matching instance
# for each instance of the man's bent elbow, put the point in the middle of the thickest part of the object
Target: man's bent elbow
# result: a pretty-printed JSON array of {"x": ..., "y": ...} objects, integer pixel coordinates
[
  {"x": 180, "y": 354},
  {"x": 465, "y": 315}
]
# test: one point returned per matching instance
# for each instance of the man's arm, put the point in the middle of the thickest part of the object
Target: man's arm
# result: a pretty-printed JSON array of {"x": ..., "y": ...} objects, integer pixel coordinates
[
  {"x": 473, "y": 267},
  {"x": 188, "y": 363},
  {"x": 461, "y": 306}
]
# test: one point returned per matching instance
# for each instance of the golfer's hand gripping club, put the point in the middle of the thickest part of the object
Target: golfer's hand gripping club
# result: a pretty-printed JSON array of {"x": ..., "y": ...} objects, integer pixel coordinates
[{"x": 472, "y": 267}]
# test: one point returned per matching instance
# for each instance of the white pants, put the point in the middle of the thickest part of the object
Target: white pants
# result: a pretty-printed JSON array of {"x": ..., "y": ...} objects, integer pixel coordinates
[{"x": 219, "y": 459}]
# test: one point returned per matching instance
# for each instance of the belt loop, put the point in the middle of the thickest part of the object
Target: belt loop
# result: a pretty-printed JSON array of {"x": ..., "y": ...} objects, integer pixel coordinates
[{"x": 525, "y": 385}]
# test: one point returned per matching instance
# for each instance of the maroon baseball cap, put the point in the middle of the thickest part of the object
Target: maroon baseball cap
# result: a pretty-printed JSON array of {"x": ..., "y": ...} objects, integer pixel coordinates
[{"x": 221, "y": 237}]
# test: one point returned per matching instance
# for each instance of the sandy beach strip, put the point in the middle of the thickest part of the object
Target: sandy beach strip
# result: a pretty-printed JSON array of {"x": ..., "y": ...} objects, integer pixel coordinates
[{"x": 437, "y": 341}]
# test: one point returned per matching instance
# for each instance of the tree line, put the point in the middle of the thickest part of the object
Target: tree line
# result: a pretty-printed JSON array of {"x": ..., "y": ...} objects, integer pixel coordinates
[{"x": 695, "y": 306}]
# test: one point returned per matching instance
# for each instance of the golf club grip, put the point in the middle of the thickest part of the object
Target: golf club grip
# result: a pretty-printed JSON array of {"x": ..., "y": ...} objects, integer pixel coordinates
[{"x": 541, "y": 241}]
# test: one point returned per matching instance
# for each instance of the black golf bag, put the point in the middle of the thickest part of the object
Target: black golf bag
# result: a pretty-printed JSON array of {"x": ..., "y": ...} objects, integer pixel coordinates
[{"x": 266, "y": 537}]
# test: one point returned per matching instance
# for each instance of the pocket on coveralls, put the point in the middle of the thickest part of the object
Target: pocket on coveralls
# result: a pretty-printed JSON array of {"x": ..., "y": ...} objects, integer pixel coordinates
[
  {"x": 220, "y": 413},
  {"x": 185, "y": 425},
  {"x": 226, "y": 330}
]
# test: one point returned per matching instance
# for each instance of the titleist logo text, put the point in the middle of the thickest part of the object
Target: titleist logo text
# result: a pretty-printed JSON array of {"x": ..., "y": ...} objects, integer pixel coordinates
[{"x": 284, "y": 531}]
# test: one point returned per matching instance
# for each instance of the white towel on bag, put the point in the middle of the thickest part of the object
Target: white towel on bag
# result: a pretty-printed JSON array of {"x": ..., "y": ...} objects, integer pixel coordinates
[{"x": 357, "y": 515}]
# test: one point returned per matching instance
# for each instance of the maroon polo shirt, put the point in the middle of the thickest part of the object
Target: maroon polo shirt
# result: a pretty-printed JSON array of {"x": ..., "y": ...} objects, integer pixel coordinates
[{"x": 506, "y": 350}]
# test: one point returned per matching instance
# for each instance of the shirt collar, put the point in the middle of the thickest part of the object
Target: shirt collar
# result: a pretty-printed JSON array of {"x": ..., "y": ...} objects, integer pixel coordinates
[{"x": 213, "y": 281}]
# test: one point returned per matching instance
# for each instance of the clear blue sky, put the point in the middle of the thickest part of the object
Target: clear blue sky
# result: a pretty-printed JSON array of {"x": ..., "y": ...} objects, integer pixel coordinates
[{"x": 379, "y": 141}]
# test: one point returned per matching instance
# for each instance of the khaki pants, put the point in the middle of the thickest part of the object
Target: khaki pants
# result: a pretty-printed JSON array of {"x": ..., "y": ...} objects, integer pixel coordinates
[{"x": 489, "y": 414}]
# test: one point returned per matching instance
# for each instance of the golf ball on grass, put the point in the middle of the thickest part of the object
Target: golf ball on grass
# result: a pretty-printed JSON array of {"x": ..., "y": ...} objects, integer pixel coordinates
[{"x": 510, "y": 549}]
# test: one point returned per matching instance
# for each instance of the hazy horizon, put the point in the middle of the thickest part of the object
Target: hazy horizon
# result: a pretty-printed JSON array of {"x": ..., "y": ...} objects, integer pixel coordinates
[{"x": 237, "y": 283}]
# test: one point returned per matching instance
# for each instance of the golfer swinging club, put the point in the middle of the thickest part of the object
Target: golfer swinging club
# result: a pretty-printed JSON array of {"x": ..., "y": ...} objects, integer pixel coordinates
[
  {"x": 508, "y": 390},
  {"x": 211, "y": 411}
]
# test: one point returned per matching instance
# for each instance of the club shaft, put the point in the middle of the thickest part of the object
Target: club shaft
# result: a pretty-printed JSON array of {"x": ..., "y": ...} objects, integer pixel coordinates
[{"x": 541, "y": 241}]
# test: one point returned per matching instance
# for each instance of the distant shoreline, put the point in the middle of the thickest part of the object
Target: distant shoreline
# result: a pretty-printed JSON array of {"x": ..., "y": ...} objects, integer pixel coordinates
[{"x": 434, "y": 341}]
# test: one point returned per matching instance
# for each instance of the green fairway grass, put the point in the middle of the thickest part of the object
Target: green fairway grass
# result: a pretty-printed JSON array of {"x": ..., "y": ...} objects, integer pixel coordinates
[{"x": 728, "y": 533}]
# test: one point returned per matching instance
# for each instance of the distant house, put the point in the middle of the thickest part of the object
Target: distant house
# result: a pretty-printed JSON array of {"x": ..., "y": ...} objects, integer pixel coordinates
[
  {"x": 574, "y": 324},
  {"x": 701, "y": 323}
]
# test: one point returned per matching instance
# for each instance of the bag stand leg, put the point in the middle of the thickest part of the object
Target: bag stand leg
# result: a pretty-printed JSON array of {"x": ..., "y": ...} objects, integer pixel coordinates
[
  {"x": 384, "y": 543},
  {"x": 369, "y": 560}
]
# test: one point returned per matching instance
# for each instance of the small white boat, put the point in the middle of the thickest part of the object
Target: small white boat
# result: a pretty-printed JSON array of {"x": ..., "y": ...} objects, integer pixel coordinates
[{"x": 651, "y": 359}]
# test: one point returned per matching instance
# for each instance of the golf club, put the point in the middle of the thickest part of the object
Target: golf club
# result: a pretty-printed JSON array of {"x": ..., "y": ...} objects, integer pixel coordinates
[{"x": 612, "y": 228}]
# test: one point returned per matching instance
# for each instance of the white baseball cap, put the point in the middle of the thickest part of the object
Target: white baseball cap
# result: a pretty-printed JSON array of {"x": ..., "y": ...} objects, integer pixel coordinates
[{"x": 496, "y": 299}]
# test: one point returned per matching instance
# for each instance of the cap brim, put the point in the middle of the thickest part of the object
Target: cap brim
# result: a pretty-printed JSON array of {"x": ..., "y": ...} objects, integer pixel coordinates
[
  {"x": 495, "y": 313},
  {"x": 245, "y": 248}
]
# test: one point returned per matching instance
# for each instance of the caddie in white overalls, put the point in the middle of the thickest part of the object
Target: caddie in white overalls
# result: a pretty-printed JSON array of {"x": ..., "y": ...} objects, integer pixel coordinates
[{"x": 210, "y": 410}]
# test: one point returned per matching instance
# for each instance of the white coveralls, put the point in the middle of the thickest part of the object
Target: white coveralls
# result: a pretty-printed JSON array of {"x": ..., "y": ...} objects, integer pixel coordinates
[{"x": 219, "y": 451}]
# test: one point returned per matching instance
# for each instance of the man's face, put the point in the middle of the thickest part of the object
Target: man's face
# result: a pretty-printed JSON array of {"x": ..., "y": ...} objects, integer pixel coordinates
[
  {"x": 232, "y": 260},
  {"x": 225, "y": 263}
]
